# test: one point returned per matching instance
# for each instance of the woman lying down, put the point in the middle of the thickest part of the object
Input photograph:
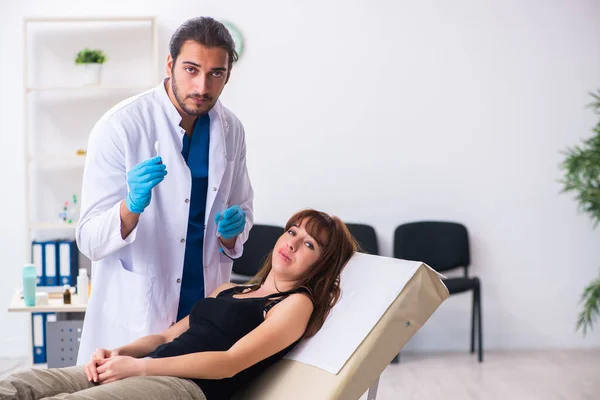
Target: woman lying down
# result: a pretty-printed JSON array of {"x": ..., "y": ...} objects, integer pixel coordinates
[{"x": 228, "y": 339}]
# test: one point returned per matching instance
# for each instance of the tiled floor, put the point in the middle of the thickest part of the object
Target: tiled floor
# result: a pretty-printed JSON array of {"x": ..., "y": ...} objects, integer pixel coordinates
[{"x": 524, "y": 375}]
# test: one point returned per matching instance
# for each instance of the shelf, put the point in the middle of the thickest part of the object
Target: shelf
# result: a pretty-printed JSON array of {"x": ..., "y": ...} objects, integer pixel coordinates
[
  {"x": 51, "y": 226},
  {"x": 90, "y": 19},
  {"x": 17, "y": 304},
  {"x": 57, "y": 157},
  {"x": 87, "y": 88}
]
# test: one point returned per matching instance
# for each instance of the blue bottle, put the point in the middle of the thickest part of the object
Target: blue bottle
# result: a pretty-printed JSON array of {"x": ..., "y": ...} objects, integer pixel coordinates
[{"x": 29, "y": 284}]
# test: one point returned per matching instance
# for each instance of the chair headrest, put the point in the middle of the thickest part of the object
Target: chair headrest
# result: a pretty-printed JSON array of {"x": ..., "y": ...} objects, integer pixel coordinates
[{"x": 369, "y": 285}]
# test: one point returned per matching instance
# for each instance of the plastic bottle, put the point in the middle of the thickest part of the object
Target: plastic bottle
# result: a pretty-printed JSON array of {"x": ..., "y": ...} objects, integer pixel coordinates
[
  {"x": 82, "y": 286},
  {"x": 29, "y": 284}
]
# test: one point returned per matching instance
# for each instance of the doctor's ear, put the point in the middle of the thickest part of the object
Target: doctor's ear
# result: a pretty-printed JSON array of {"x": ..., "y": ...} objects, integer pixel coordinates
[
  {"x": 169, "y": 66},
  {"x": 228, "y": 73}
]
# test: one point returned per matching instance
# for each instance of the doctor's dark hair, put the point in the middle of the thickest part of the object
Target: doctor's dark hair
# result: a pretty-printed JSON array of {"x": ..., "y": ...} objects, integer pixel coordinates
[
  {"x": 206, "y": 31},
  {"x": 322, "y": 280}
]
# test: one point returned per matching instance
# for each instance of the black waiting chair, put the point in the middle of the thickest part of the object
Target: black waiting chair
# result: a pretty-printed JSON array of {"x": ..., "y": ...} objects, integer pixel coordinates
[
  {"x": 443, "y": 246},
  {"x": 261, "y": 240},
  {"x": 366, "y": 237}
]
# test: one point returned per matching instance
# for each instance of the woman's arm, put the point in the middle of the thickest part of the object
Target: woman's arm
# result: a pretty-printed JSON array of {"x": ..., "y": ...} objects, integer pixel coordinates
[
  {"x": 125, "y": 363},
  {"x": 284, "y": 325},
  {"x": 147, "y": 344}
]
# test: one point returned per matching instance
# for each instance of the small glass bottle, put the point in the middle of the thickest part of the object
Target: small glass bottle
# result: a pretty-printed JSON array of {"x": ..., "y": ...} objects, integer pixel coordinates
[{"x": 67, "y": 295}]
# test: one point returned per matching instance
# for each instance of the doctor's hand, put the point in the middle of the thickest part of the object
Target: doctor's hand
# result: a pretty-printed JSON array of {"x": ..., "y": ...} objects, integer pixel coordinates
[
  {"x": 231, "y": 222},
  {"x": 90, "y": 368},
  {"x": 141, "y": 180},
  {"x": 119, "y": 367}
]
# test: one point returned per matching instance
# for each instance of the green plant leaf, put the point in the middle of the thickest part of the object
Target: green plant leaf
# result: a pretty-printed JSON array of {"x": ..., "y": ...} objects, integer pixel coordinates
[
  {"x": 591, "y": 306},
  {"x": 89, "y": 56},
  {"x": 581, "y": 176}
]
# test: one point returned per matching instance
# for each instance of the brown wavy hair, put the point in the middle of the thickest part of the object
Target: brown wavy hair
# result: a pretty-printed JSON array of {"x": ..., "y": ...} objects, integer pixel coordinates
[{"x": 322, "y": 280}]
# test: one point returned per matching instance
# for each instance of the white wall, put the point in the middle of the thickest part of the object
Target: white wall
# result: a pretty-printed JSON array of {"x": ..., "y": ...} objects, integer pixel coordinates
[{"x": 386, "y": 112}]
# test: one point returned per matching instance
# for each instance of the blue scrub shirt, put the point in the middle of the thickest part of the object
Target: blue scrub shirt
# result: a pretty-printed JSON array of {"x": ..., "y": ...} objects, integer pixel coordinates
[{"x": 195, "y": 152}]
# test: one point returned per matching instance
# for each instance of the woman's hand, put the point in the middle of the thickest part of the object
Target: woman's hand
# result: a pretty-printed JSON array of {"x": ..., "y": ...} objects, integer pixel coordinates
[
  {"x": 120, "y": 367},
  {"x": 90, "y": 368}
]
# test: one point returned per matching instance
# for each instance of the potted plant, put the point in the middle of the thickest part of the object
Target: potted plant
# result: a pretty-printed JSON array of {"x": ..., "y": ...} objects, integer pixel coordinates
[
  {"x": 91, "y": 61},
  {"x": 582, "y": 176}
]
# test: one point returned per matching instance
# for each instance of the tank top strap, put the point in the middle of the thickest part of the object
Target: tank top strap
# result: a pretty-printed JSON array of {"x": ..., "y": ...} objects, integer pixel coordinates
[
  {"x": 286, "y": 294},
  {"x": 278, "y": 297}
]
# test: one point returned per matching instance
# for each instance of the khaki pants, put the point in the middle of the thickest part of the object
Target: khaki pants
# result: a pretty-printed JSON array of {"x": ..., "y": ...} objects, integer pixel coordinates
[{"x": 71, "y": 383}]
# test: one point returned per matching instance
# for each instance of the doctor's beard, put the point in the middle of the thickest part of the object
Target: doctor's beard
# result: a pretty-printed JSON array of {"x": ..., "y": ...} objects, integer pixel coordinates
[{"x": 192, "y": 111}]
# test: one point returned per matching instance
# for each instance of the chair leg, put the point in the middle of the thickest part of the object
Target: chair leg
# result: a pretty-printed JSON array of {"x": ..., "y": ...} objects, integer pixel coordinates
[
  {"x": 473, "y": 311},
  {"x": 479, "y": 332},
  {"x": 372, "y": 394}
]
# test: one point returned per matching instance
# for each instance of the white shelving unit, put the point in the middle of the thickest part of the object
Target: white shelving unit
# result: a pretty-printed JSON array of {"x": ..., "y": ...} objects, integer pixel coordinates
[
  {"x": 35, "y": 159},
  {"x": 83, "y": 88},
  {"x": 45, "y": 159}
]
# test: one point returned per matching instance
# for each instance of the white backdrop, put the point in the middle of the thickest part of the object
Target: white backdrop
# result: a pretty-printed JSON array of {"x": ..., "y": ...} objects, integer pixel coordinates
[{"x": 385, "y": 112}]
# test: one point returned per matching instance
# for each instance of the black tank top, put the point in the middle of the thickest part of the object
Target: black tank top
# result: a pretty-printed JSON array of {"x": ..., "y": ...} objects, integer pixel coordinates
[{"x": 215, "y": 325}]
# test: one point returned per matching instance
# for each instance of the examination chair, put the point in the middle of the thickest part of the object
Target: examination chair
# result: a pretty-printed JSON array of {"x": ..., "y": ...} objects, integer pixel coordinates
[{"x": 384, "y": 302}]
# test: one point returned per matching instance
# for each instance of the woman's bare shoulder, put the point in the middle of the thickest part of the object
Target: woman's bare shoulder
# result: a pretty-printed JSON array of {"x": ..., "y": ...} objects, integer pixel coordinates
[{"x": 220, "y": 288}]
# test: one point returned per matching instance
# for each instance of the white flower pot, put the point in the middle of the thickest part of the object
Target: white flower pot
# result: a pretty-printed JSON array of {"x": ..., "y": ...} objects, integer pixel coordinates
[{"x": 91, "y": 73}]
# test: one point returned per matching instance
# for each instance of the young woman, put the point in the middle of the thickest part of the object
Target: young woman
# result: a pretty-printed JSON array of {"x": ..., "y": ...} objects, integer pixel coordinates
[{"x": 228, "y": 339}]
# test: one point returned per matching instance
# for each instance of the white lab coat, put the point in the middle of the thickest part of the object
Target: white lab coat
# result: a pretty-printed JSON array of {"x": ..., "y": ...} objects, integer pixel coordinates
[{"x": 136, "y": 282}]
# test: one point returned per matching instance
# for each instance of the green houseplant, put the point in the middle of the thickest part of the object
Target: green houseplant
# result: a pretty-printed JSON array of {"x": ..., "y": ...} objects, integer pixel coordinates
[
  {"x": 581, "y": 168},
  {"x": 91, "y": 62},
  {"x": 88, "y": 56}
]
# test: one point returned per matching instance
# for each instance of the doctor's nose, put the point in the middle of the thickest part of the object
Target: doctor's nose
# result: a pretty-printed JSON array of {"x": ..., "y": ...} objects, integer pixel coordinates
[{"x": 201, "y": 84}]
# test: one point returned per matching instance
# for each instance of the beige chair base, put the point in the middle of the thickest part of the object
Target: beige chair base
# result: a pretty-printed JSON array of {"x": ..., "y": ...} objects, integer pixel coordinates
[{"x": 292, "y": 380}]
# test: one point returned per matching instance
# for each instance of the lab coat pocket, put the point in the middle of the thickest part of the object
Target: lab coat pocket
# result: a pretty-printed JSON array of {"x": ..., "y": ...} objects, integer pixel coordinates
[{"x": 127, "y": 302}]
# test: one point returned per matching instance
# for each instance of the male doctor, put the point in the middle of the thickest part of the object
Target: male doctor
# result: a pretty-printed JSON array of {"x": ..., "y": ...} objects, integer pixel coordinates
[{"x": 162, "y": 229}]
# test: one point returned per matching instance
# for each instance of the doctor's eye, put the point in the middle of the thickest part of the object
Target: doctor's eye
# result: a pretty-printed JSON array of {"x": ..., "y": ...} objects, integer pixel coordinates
[
  {"x": 190, "y": 70},
  {"x": 218, "y": 74}
]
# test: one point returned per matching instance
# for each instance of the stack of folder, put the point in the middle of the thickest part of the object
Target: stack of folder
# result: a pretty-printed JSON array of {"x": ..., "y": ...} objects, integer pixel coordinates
[{"x": 57, "y": 264}]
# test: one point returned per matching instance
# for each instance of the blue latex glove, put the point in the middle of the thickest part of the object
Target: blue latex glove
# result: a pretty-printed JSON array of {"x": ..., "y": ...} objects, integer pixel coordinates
[
  {"x": 141, "y": 179},
  {"x": 231, "y": 222}
]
